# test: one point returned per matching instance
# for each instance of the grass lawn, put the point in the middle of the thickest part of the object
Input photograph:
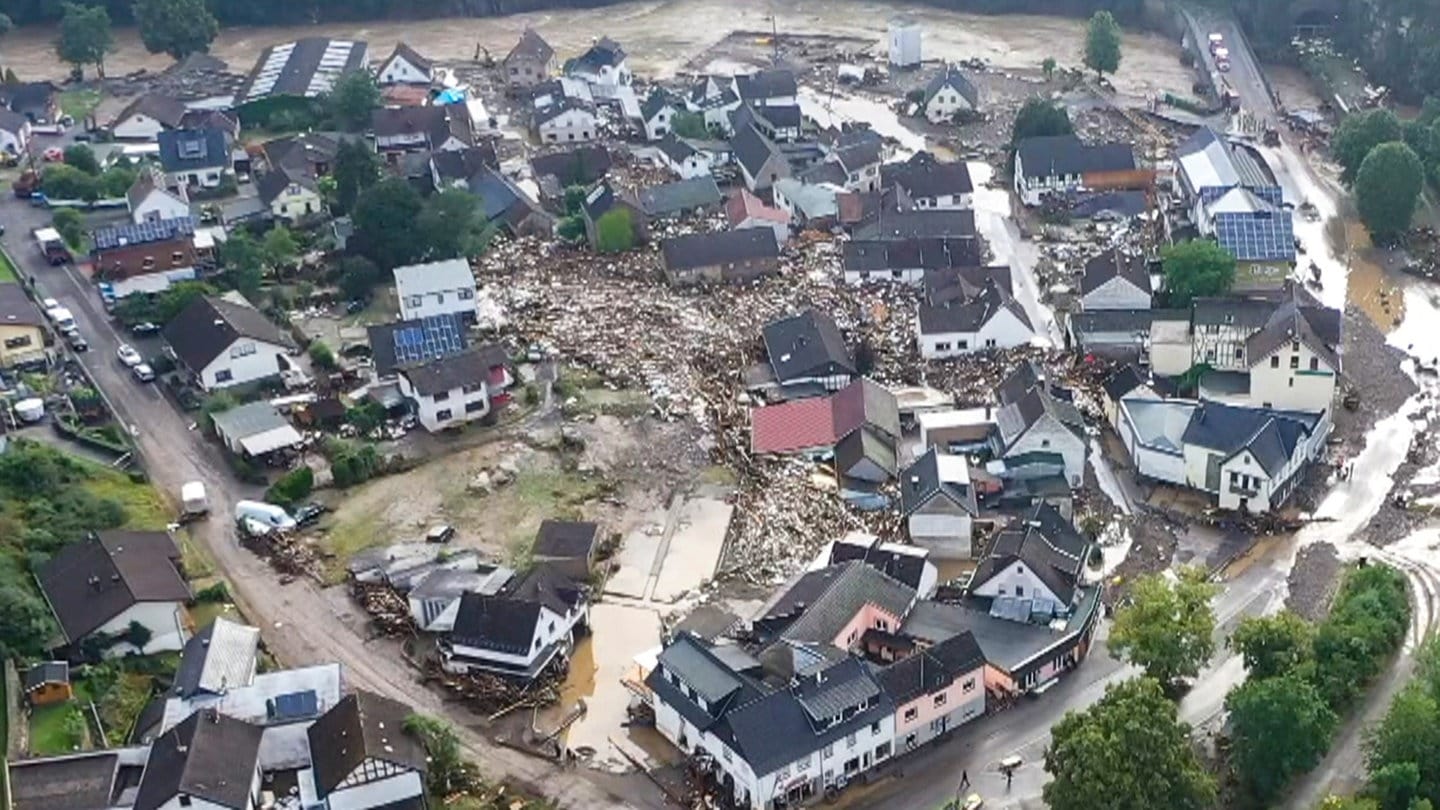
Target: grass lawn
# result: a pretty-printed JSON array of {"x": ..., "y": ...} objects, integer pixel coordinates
[
  {"x": 7, "y": 269},
  {"x": 144, "y": 506},
  {"x": 205, "y": 612},
  {"x": 58, "y": 729},
  {"x": 79, "y": 103}
]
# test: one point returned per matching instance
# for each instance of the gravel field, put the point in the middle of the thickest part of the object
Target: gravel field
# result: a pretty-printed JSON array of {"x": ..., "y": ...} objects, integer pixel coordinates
[{"x": 1313, "y": 581}]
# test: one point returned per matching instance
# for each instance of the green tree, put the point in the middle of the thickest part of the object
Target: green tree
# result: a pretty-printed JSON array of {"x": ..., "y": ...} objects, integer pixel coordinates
[
  {"x": 1273, "y": 646},
  {"x": 85, "y": 36},
  {"x": 115, "y": 182},
  {"x": 138, "y": 635},
  {"x": 1038, "y": 118},
  {"x": 1168, "y": 628},
  {"x": 1367, "y": 622},
  {"x": 1396, "y": 786},
  {"x": 70, "y": 225},
  {"x": 1129, "y": 751},
  {"x": 1358, "y": 134},
  {"x": 1408, "y": 734},
  {"x": 62, "y": 182},
  {"x": 353, "y": 98},
  {"x": 178, "y": 296},
  {"x": 1387, "y": 189},
  {"x": 449, "y": 771},
  {"x": 384, "y": 218},
  {"x": 24, "y": 622},
  {"x": 1196, "y": 269},
  {"x": 243, "y": 261},
  {"x": 82, "y": 157},
  {"x": 686, "y": 124},
  {"x": 614, "y": 231},
  {"x": 1047, "y": 66},
  {"x": 358, "y": 277},
  {"x": 1281, "y": 727},
  {"x": 292, "y": 487},
  {"x": 322, "y": 357},
  {"x": 357, "y": 168},
  {"x": 176, "y": 27},
  {"x": 1102, "y": 44},
  {"x": 279, "y": 248},
  {"x": 452, "y": 226}
]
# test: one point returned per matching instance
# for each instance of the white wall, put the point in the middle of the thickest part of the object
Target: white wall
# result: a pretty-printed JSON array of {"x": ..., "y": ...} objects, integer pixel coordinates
[
  {"x": 376, "y": 794},
  {"x": 208, "y": 177},
  {"x": 1031, "y": 188},
  {"x": 944, "y": 202},
  {"x": 1248, "y": 474},
  {"x": 549, "y": 628},
  {"x": 454, "y": 407},
  {"x": 15, "y": 142},
  {"x": 1049, "y": 436},
  {"x": 416, "y": 304},
  {"x": 400, "y": 141},
  {"x": 945, "y": 104},
  {"x": 1017, "y": 580},
  {"x": 572, "y": 126},
  {"x": 948, "y": 537},
  {"x": 659, "y": 125},
  {"x": 399, "y": 71},
  {"x": 1002, "y": 331},
  {"x": 607, "y": 75},
  {"x": 781, "y": 230},
  {"x": 1117, "y": 293},
  {"x": 159, "y": 205},
  {"x": 905, "y": 46},
  {"x": 1277, "y": 385},
  {"x": 691, "y": 167},
  {"x": 247, "y": 360},
  {"x": 167, "y": 631},
  {"x": 903, "y": 275},
  {"x": 138, "y": 127}
]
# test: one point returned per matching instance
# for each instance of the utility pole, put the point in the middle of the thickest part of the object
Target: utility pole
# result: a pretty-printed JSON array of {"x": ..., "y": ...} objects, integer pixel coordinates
[{"x": 774, "y": 39}]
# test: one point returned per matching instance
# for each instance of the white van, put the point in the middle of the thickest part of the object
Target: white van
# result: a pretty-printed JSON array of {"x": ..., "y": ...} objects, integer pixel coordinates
[
  {"x": 267, "y": 514},
  {"x": 192, "y": 498},
  {"x": 61, "y": 317}
]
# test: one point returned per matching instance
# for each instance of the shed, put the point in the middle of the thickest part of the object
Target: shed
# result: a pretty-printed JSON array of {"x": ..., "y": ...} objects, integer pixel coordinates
[
  {"x": 47, "y": 683},
  {"x": 254, "y": 429}
]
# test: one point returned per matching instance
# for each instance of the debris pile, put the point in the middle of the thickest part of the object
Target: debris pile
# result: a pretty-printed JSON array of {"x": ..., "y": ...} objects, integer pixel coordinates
[
  {"x": 389, "y": 612},
  {"x": 286, "y": 553},
  {"x": 495, "y": 696}
]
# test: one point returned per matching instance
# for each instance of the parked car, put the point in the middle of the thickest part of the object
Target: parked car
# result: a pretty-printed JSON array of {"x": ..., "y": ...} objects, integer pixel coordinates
[
  {"x": 76, "y": 341},
  {"x": 128, "y": 355},
  {"x": 309, "y": 513},
  {"x": 143, "y": 372},
  {"x": 54, "y": 155},
  {"x": 144, "y": 328},
  {"x": 440, "y": 534}
]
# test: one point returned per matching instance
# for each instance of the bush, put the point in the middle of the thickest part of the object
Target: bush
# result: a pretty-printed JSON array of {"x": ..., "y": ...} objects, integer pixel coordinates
[
  {"x": 214, "y": 594},
  {"x": 322, "y": 357},
  {"x": 615, "y": 232},
  {"x": 70, "y": 225},
  {"x": 292, "y": 487},
  {"x": 1365, "y": 626}
]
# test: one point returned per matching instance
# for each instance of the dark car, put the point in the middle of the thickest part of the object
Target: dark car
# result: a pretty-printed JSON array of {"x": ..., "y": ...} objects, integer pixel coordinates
[
  {"x": 144, "y": 328},
  {"x": 309, "y": 513},
  {"x": 77, "y": 342}
]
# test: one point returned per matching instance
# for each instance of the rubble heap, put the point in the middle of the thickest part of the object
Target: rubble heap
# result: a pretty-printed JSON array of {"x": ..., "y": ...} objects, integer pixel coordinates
[{"x": 389, "y": 612}]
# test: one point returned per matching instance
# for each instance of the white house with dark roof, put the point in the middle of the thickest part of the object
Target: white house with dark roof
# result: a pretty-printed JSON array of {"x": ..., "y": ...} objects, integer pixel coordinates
[
  {"x": 714, "y": 99},
  {"x": 14, "y": 132},
  {"x": 438, "y": 128},
  {"x": 761, "y": 161},
  {"x": 147, "y": 116},
  {"x": 150, "y": 201},
  {"x": 436, "y": 288},
  {"x": 775, "y": 87},
  {"x": 968, "y": 310},
  {"x": 656, "y": 113},
  {"x": 405, "y": 65},
  {"x": 224, "y": 343},
  {"x": 1034, "y": 568},
  {"x": 453, "y": 390},
  {"x": 603, "y": 63},
  {"x": 194, "y": 157},
  {"x": 1115, "y": 279},
  {"x": 363, "y": 757},
  {"x": 938, "y": 503},
  {"x": 682, "y": 158},
  {"x": 858, "y": 154},
  {"x": 948, "y": 94},
  {"x": 930, "y": 182},
  {"x": 808, "y": 355},
  {"x": 566, "y": 121},
  {"x": 519, "y": 632},
  {"x": 210, "y": 761},
  {"x": 1062, "y": 164},
  {"x": 1035, "y": 418}
]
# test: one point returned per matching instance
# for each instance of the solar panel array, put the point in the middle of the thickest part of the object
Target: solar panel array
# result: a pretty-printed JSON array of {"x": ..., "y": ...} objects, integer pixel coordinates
[
  {"x": 139, "y": 233},
  {"x": 332, "y": 64},
  {"x": 1257, "y": 237},
  {"x": 270, "y": 72},
  {"x": 1269, "y": 194},
  {"x": 294, "y": 706},
  {"x": 429, "y": 338}
]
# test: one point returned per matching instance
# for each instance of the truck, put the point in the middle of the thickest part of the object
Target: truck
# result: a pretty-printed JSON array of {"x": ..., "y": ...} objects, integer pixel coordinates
[
  {"x": 1222, "y": 59},
  {"x": 52, "y": 246},
  {"x": 26, "y": 184},
  {"x": 193, "y": 502}
]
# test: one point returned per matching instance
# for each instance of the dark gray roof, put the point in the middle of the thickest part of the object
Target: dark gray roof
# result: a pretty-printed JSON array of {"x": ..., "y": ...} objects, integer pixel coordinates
[
  {"x": 926, "y": 177},
  {"x": 1271, "y": 436},
  {"x": 782, "y": 116},
  {"x": 658, "y": 100},
  {"x": 1316, "y": 326},
  {"x": 879, "y": 255},
  {"x": 12, "y": 122},
  {"x": 1027, "y": 375},
  {"x": 723, "y": 247},
  {"x": 1112, "y": 264},
  {"x": 847, "y": 588},
  {"x": 907, "y": 569},
  {"x": 674, "y": 148},
  {"x": 464, "y": 164},
  {"x": 807, "y": 345},
  {"x": 412, "y": 56},
  {"x": 861, "y": 445},
  {"x": 208, "y": 326},
  {"x": 920, "y": 482},
  {"x": 752, "y": 149},
  {"x": 162, "y": 108},
  {"x": 437, "y": 123},
  {"x": 955, "y": 279},
  {"x": 931, "y": 669},
  {"x": 1006, "y": 644},
  {"x": 296, "y": 153},
  {"x": 604, "y": 53},
  {"x": 681, "y": 196},
  {"x": 968, "y": 315},
  {"x": 73, "y": 782},
  {"x": 531, "y": 46},
  {"x": 559, "y": 108},
  {"x": 693, "y": 663},
  {"x": 892, "y": 225},
  {"x": 827, "y": 171},
  {"x": 1122, "y": 382},
  {"x": 183, "y": 150},
  {"x": 1095, "y": 321},
  {"x": 91, "y": 581},
  {"x": 571, "y": 539},
  {"x": 362, "y": 726},
  {"x": 1058, "y": 155},
  {"x": 1048, "y": 545},
  {"x": 951, "y": 76},
  {"x": 221, "y": 656},
  {"x": 442, "y": 374},
  {"x": 1016, "y": 417},
  {"x": 306, "y": 67},
  {"x": 766, "y": 84},
  {"x": 580, "y": 166},
  {"x": 28, "y": 98},
  {"x": 506, "y": 623},
  {"x": 46, "y": 672},
  {"x": 845, "y": 686},
  {"x": 208, "y": 755},
  {"x": 16, "y": 308}
]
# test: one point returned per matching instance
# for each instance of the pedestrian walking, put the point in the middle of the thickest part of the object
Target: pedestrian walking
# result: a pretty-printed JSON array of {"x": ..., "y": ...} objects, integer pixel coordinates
[
  {"x": 964, "y": 779},
  {"x": 1009, "y": 777}
]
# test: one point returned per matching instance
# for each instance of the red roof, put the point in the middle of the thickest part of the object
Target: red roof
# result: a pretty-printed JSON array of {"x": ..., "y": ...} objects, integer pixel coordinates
[
  {"x": 791, "y": 427},
  {"x": 743, "y": 205}
]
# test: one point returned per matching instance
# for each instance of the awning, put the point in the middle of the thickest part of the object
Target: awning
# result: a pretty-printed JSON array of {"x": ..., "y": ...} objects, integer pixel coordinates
[{"x": 271, "y": 440}]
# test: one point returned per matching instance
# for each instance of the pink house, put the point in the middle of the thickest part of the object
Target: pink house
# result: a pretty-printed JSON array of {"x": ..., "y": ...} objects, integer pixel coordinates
[{"x": 935, "y": 690}]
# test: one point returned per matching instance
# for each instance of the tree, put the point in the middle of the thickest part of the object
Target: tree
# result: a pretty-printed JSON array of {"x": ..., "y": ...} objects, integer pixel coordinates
[
  {"x": 352, "y": 99},
  {"x": 358, "y": 277},
  {"x": 356, "y": 169},
  {"x": 1358, "y": 134},
  {"x": 70, "y": 225},
  {"x": 1047, "y": 66},
  {"x": 614, "y": 231},
  {"x": 1408, "y": 734},
  {"x": 449, "y": 772},
  {"x": 244, "y": 263},
  {"x": 384, "y": 218},
  {"x": 686, "y": 124},
  {"x": 1387, "y": 188},
  {"x": 1347, "y": 803},
  {"x": 1129, "y": 751},
  {"x": 1168, "y": 628},
  {"x": 1102, "y": 44},
  {"x": 452, "y": 226},
  {"x": 62, "y": 182},
  {"x": 322, "y": 357},
  {"x": 1396, "y": 786},
  {"x": 1195, "y": 269},
  {"x": 82, "y": 157},
  {"x": 84, "y": 36},
  {"x": 1037, "y": 118},
  {"x": 1281, "y": 727},
  {"x": 1273, "y": 646},
  {"x": 279, "y": 248},
  {"x": 178, "y": 296},
  {"x": 24, "y": 622},
  {"x": 176, "y": 27},
  {"x": 137, "y": 635}
]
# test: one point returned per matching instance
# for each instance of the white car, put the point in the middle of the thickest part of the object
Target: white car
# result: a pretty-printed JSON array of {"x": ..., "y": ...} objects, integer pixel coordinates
[
  {"x": 143, "y": 372},
  {"x": 128, "y": 355},
  {"x": 48, "y": 304}
]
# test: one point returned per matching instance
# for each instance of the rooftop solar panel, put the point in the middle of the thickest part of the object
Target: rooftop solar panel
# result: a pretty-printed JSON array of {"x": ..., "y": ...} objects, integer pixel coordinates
[
  {"x": 139, "y": 233},
  {"x": 294, "y": 706},
  {"x": 429, "y": 338},
  {"x": 1257, "y": 237}
]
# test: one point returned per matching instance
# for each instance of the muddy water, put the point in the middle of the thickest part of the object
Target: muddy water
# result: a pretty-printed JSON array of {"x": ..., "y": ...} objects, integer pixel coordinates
[{"x": 661, "y": 36}]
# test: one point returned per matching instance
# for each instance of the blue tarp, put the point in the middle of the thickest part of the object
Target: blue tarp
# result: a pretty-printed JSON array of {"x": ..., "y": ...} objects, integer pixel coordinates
[{"x": 451, "y": 96}]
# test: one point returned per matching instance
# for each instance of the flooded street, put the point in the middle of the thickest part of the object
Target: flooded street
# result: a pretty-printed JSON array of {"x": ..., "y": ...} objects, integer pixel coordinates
[
  {"x": 993, "y": 219},
  {"x": 834, "y": 109}
]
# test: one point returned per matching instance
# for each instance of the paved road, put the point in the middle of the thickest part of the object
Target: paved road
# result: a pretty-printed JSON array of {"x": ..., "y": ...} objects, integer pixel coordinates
[
  {"x": 300, "y": 623},
  {"x": 1245, "y": 74}
]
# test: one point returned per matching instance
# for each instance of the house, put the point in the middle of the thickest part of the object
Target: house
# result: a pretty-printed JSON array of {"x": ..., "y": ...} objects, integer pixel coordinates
[
  {"x": 436, "y": 288},
  {"x": 362, "y": 756},
  {"x": 902, "y": 562},
  {"x": 440, "y": 128},
  {"x": 505, "y": 206},
  {"x": 435, "y": 599},
  {"x": 1207, "y": 166},
  {"x": 603, "y": 64},
  {"x": 530, "y": 62},
  {"x": 255, "y": 429},
  {"x": 808, "y": 355},
  {"x": 714, "y": 100},
  {"x": 967, "y": 310},
  {"x": 681, "y": 198},
  {"x": 210, "y": 760},
  {"x": 404, "y": 342},
  {"x": 150, "y": 201},
  {"x": 1127, "y": 382},
  {"x": 46, "y": 683},
  {"x": 775, "y": 87},
  {"x": 566, "y": 122},
  {"x": 1115, "y": 279},
  {"x": 311, "y": 154},
  {"x": 458, "y": 168},
  {"x": 22, "y": 329},
  {"x": 1061, "y": 164},
  {"x": 14, "y": 132},
  {"x": 289, "y": 196},
  {"x": 656, "y": 113},
  {"x": 935, "y": 690},
  {"x": 723, "y": 257},
  {"x": 858, "y": 155},
  {"x": 101, "y": 586},
  {"x": 453, "y": 390},
  {"x": 225, "y": 343},
  {"x": 223, "y": 656},
  {"x": 890, "y": 224},
  {"x": 194, "y": 157},
  {"x": 1254, "y": 226},
  {"x": 948, "y": 94},
  {"x": 745, "y": 210},
  {"x": 761, "y": 162},
  {"x": 903, "y": 36},
  {"x": 783, "y": 124},
  {"x": 201, "y": 118},
  {"x": 601, "y": 200},
  {"x": 520, "y": 632},
  {"x": 148, "y": 266},
  {"x": 939, "y": 506},
  {"x": 147, "y": 116},
  {"x": 810, "y": 205},
  {"x": 682, "y": 158},
  {"x": 1250, "y": 459},
  {"x": 1036, "y": 417},
  {"x": 813, "y": 426},
  {"x": 39, "y": 102},
  {"x": 1038, "y": 563},
  {"x": 405, "y": 65},
  {"x": 865, "y": 459},
  {"x": 929, "y": 182},
  {"x": 305, "y": 68},
  {"x": 1116, "y": 334},
  {"x": 909, "y": 260},
  {"x": 568, "y": 547},
  {"x": 581, "y": 166}
]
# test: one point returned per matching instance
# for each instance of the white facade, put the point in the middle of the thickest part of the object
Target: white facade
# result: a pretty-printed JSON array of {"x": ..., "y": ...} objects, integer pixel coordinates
[
  {"x": 905, "y": 275},
  {"x": 436, "y": 288},
  {"x": 904, "y": 43},
  {"x": 1017, "y": 580},
  {"x": 1004, "y": 330},
  {"x": 550, "y": 628},
  {"x": 1049, "y": 435},
  {"x": 781, "y": 229},
  {"x": 399, "y": 70},
  {"x": 159, "y": 204},
  {"x": 405, "y": 784},
  {"x": 658, "y": 124},
  {"x": 164, "y": 620},
  {"x": 943, "y": 528},
  {"x": 450, "y": 408},
  {"x": 694, "y": 165},
  {"x": 944, "y": 202},
  {"x": 572, "y": 126},
  {"x": 1031, "y": 189},
  {"x": 943, "y": 106},
  {"x": 606, "y": 75},
  {"x": 1292, "y": 378},
  {"x": 15, "y": 141},
  {"x": 137, "y": 127},
  {"x": 247, "y": 360}
]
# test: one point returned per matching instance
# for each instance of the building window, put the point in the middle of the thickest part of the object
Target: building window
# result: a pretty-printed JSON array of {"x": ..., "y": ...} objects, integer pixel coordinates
[
  {"x": 990, "y": 343},
  {"x": 1314, "y": 364},
  {"x": 442, "y": 396},
  {"x": 223, "y": 375},
  {"x": 465, "y": 294},
  {"x": 1044, "y": 442},
  {"x": 443, "y": 416},
  {"x": 963, "y": 345},
  {"x": 911, "y": 713},
  {"x": 1239, "y": 353},
  {"x": 942, "y": 347},
  {"x": 850, "y": 741},
  {"x": 940, "y": 699},
  {"x": 1019, "y": 590},
  {"x": 802, "y": 763},
  {"x": 882, "y": 751},
  {"x": 725, "y": 752},
  {"x": 1294, "y": 361},
  {"x": 875, "y": 729},
  {"x": 184, "y": 800},
  {"x": 477, "y": 405},
  {"x": 1275, "y": 361},
  {"x": 968, "y": 686}
]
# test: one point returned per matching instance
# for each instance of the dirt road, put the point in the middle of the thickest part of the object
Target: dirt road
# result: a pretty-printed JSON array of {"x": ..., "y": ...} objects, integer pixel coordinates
[{"x": 661, "y": 36}]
